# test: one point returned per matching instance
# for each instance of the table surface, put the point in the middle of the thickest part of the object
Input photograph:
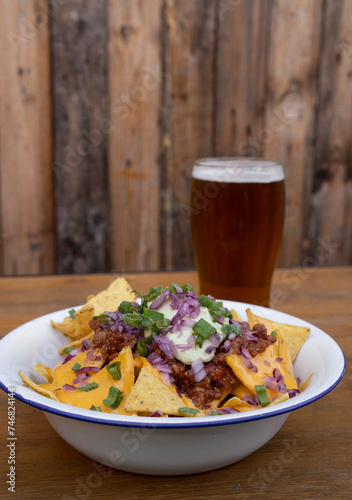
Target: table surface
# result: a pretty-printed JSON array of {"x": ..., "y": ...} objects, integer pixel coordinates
[{"x": 319, "y": 435}]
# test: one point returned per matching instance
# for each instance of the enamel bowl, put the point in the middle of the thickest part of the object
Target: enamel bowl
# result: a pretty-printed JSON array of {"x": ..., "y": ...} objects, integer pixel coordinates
[{"x": 164, "y": 446}]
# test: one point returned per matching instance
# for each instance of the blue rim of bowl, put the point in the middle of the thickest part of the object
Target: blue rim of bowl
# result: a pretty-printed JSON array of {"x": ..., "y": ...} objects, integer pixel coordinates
[{"x": 181, "y": 422}]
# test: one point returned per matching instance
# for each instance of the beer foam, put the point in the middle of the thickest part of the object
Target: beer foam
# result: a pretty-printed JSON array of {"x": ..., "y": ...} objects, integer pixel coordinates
[{"x": 238, "y": 171}]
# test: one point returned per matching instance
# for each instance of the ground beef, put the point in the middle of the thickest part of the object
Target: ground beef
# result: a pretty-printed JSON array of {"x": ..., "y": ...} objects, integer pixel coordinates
[
  {"x": 254, "y": 347},
  {"x": 219, "y": 375},
  {"x": 110, "y": 342}
]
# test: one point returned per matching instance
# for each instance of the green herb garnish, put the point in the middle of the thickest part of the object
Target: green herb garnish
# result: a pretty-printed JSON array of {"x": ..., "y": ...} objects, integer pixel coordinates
[
  {"x": 114, "y": 398},
  {"x": 274, "y": 333},
  {"x": 215, "y": 308},
  {"x": 185, "y": 288},
  {"x": 262, "y": 395},
  {"x": 203, "y": 330},
  {"x": 227, "y": 329},
  {"x": 95, "y": 408},
  {"x": 193, "y": 411},
  {"x": 133, "y": 319},
  {"x": 72, "y": 313},
  {"x": 115, "y": 370},
  {"x": 160, "y": 325},
  {"x": 153, "y": 315},
  {"x": 88, "y": 387},
  {"x": 104, "y": 318},
  {"x": 67, "y": 350},
  {"x": 142, "y": 348}
]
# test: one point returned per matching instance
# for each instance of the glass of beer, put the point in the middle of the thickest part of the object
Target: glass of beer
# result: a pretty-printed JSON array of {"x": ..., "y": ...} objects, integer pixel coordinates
[{"x": 237, "y": 214}]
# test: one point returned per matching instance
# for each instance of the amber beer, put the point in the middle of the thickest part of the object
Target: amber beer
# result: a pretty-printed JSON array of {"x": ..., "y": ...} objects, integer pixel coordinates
[{"x": 237, "y": 214}]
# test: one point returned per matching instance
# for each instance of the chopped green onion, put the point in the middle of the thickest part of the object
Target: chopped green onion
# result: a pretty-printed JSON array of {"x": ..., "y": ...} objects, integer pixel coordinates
[
  {"x": 142, "y": 348},
  {"x": 199, "y": 341},
  {"x": 215, "y": 308},
  {"x": 262, "y": 395},
  {"x": 72, "y": 313},
  {"x": 185, "y": 288},
  {"x": 115, "y": 370},
  {"x": 95, "y": 408},
  {"x": 146, "y": 323},
  {"x": 205, "y": 301},
  {"x": 76, "y": 366},
  {"x": 274, "y": 333},
  {"x": 159, "y": 325},
  {"x": 227, "y": 329},
  {"x": 132, "y": 319},
  {"x": 203, "y": 329},
  {"x": 104, "y": 318},
  {"x": 154, "y": 315},
  {"x": 126, "y": 307},
  {"x": 153, "y": 294},
  {"x": 67, "y": 350},
  {"x": 172, "y": 287},
  {"x": 193, "y": 411},
  {"x": 88, "y": 387},
  {"x": 114, "y": 398},
  {"x": 213, "y": 413}
]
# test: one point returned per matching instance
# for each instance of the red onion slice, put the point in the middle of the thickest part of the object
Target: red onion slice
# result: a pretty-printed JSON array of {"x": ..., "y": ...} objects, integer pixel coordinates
[
  {"x": 245, "y": 353},
  {"x": 87, "y": 369},
  {"x": 158, "y": 302},
  {"x": 249, "y": 364},
  {"x": 156, "y": 413},
  {"x": 80, "y": 378},
  {"x": 86, "y": 344},
  {"x": 68, "y": 387},
  {"x": 198, "y": 370}
]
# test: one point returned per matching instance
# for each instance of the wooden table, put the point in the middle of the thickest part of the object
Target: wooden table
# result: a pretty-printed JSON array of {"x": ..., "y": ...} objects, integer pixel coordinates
[{"x": 317, "y": 437}]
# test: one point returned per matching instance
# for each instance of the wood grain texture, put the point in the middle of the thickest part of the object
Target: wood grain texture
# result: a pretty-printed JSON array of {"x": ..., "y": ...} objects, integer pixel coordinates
[
  {"x": 26, "y": 188},
  {"x": 79, "y": 62},
  {"x": 316, "y": 439},
  {"x": 332, "y": 199},
  {"x": 135, "y": 81},
  {"x": 241, "y": 71},
  {"x": 189, "y": 63},
  {"x": 290, "y": 104},
  {"x": 96, "y": 156}
]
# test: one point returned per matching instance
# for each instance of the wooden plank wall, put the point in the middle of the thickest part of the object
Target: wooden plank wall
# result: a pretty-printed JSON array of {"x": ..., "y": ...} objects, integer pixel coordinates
[{"x": 104, "y": 106}]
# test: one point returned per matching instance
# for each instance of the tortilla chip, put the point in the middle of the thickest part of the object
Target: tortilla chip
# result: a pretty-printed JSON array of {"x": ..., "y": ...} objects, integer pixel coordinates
[
  {"x": 67, "y": 327},
  {"x": 238, "y": 404},
  {"x": 274, "y": 356},
  {"x": 302, "y": 386},
  {"x": 241, "y": 391},
  {"x": 40, "y": 390},
  {"x": 108, "y": 300},
  {"x": 280, "y": 399},
  {"x": 44, "y": 371},
  {"x": 236, "y": 316},
  {"x": 77, "y": 327},
  {"x": 294, "y": 336},
  {"x": 149, "y": 394}
]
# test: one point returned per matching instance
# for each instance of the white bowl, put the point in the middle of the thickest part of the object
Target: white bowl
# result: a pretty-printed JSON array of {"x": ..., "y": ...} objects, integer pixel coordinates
[{"x": 164, "y": 446}]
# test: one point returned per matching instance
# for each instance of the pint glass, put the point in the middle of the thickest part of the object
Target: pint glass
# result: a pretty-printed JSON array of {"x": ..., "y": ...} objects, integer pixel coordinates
[{"x": 237, "y": 214}]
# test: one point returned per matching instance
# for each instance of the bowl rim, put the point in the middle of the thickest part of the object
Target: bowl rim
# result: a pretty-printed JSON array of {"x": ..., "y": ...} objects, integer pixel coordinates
[{"x": 66, "y": 411}]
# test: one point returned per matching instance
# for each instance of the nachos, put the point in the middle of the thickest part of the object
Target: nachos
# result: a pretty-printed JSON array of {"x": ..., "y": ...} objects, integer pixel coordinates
[{"x": 171, "y": 353}]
